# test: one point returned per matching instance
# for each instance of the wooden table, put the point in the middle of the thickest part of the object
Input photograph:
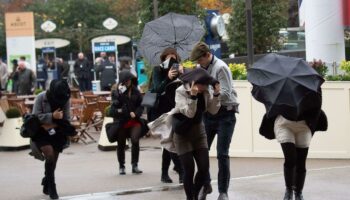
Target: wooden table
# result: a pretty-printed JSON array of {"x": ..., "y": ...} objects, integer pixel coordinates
[{"x": 26, "y": 96}]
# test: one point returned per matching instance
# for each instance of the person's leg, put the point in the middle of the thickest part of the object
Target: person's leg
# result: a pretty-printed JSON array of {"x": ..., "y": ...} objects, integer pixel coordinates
[
  {"x": 177, "y": 165},
  {"x": 300, "y": 172},
  {"x": 227, "y": 123},
  {"x": 166, "y": 159},
  {"x": 121, "y": 150},
  {"x": 81, "y": 84},
  {"x": 51, "y": 158},
  {"x": 289, "y": 152},
  {"x": 135, "y": 134},
  {"x": 188, "y": 167},
  {"x": 201, "y": 157}
]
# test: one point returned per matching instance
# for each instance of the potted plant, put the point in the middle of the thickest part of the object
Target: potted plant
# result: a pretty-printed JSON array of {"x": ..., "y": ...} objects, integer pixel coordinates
[
  {"x": 10, "y": 138},
  {"x": 238, "y": 71},
  {"x": 103, "y": 143}
]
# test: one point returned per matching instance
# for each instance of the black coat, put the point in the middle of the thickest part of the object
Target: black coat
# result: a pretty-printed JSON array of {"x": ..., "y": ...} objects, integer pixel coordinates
[
  {"x": 82, "y": 69},
  {"x": 107, "y": 71},
  {"x": 122, "y": 105}
]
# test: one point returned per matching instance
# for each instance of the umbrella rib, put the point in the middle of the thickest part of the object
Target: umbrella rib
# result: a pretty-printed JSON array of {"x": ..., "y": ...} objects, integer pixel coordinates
[{"x": 172, "y": 21}]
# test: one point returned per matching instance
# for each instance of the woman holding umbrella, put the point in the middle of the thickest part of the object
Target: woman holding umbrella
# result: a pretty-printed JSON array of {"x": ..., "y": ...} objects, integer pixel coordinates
[
  {"x": 162, "y": 76},
  {"x": 193, "y": 99},
  {"x": 291, "y": 92}
]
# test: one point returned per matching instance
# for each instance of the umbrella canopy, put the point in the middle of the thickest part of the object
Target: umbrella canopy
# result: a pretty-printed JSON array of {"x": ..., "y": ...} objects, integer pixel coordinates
[
  {"x": 285, "y": 85},
  {"x": 181, "y": 32}
]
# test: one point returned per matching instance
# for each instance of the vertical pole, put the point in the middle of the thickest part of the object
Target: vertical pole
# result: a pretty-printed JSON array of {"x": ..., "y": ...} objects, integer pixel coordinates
[
  {"x": 250, "y": 51},
  {"x": 155, "y": 9}
]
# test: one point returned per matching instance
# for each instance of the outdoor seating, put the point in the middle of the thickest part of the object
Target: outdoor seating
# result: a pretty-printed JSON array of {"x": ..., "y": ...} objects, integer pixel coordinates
[
  {"x": 102, "y": 105},
  {"x": 19, "y": 104}
]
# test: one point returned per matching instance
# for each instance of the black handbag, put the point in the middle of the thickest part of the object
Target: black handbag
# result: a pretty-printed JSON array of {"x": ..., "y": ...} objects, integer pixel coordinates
[
  {"x": 181, "y": 124},
  {"x": 112, "y": 129},
  {"x": 30, "y": 127},
  {"x": 149, "y": 99}
]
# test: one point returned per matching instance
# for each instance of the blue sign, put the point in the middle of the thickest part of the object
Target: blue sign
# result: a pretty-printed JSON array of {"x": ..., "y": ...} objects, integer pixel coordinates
[
  {"x": 48, "y": 49},
  {"x": 212, "y": 41},
  {"x": 104, "y": 47},
  {"x": 141, "y": 73}
]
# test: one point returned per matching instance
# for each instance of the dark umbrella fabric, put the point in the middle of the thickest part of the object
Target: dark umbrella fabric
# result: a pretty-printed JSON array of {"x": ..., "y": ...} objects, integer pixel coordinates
[
  {"x": 181, "y": 32},
  {"x": 285, "y": 85},
  {"x": 198, "y": 75}
]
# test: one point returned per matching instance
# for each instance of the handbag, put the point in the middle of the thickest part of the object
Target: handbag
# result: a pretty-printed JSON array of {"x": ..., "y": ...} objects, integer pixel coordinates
[
  {"x": 30, "y": 127},
  {"x": 181, "y": 124},
  {"x": 112, "y": 129},
  {"x": 149, "y": 99}
]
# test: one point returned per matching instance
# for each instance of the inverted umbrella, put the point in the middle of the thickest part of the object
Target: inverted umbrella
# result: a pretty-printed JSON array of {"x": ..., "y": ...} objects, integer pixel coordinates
[
  {"x": 178, "y": 31},
  {"x": 285, "y": 85}
]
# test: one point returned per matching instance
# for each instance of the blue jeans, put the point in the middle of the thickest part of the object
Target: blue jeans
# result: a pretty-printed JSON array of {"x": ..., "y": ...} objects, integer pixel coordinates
[{"x": 222, "y": 124}]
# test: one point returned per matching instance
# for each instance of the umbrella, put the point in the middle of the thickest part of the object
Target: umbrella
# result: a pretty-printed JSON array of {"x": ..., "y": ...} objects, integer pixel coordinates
[
  {"x": 285, "y": 85},
  {"x": 181, "y": 32}
]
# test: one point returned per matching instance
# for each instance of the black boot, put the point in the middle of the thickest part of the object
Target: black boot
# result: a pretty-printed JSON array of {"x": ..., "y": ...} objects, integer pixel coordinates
[
  {"x": 45, "y": 186},
  {"x": 299, "y": 185},
  {"x": 122, "y": 170},
  {"x": 165, "y": 178},
  {"x": 52, "y": 188},
  {"x": 135, "y": 169},
  {"x": 288, "y": 178}
]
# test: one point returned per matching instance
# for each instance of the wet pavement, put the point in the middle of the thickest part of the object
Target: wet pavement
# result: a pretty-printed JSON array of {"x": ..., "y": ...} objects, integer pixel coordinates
[{"x": 84, "y": 172}]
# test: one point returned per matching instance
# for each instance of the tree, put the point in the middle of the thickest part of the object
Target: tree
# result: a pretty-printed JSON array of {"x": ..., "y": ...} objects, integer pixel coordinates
[
  {"x": 224, "y": 6},
  {"x": 268, "y": 17},
  {"x": 188, "y": 7}
]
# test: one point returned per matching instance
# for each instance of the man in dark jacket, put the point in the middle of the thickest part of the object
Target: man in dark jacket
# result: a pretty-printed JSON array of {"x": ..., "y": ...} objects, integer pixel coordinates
[
  {"x": 82, "y": 71},
  {"x": 25, "y": 79},
  {"x": 62, "y": 69},
  {"x": 107, "y": 73}
]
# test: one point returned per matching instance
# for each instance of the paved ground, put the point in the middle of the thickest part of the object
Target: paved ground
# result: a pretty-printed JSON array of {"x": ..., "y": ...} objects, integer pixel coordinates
[{"x": 84, "y": 172}]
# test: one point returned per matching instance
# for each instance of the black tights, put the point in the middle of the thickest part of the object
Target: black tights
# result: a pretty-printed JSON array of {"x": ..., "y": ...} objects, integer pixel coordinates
[
  {"x": 201, "y": 156},
  {"x": 294, "y": 157},
  {"x": 167, "y": 156},
  {"x": 134, "y": 134},
  {"x": 51, "y": 157}
]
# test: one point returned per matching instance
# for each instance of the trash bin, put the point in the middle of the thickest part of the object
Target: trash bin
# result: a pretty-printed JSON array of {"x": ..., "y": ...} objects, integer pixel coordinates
[{"x": 96, "y": 85}]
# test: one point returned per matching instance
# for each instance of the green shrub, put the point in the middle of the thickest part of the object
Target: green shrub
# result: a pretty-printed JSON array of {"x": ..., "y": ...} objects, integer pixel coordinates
[
  {"x": 319, "y": 66},
  {"x": 345, "y": 66},
  {"x": 343, "y": 77},
  {"x": 13, "y": 113},
  {"x": 107, "y": 113},
  {"x": 239, "y": 71},
  {"x": 38, "y": 91}
]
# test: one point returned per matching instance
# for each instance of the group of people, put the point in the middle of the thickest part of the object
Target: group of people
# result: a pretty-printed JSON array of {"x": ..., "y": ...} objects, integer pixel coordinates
[{"x": 199, "y": 104}]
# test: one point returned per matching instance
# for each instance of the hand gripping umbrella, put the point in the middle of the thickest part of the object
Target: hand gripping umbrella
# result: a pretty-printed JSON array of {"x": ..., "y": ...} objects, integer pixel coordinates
[
  {"x": 285, "y": 85},
  {"x": 181, "y": 32}
]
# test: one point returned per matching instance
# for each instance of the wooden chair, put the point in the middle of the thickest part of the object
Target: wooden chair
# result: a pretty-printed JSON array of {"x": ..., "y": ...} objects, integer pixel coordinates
[
  {"x": 10, "y": 95},
  {"x": 75, "y": 93},
  {"x": 91, "y": 98},
  {"x": 85, "y": 123},
  {"x": 76, "y": 108},
  {"x": 102, "y": 105},
  {"x": 19, "y": 104}
]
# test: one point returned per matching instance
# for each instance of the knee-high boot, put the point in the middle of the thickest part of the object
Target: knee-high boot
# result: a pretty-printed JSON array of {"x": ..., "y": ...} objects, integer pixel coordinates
[
  {"x": 299, "y": 185},
  {"x": 288, "y": 179},
  {"x": 50, "y": 179}
]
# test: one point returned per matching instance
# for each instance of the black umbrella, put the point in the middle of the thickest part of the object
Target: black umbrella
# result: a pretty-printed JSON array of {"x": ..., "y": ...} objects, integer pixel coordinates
[
  {"x": 181, "y": 32},
  {"x": 285, "y": 85}
]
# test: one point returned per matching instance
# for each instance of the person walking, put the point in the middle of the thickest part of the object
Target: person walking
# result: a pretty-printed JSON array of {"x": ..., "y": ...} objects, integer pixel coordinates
[
  {"x": 82, "y": 71},
  {"x": 25, "y": 79},
  {"x": 192, "y": 99},
  {"x": 52, "y": 107},
  {"x": 222, "y": 123},
  {"x": 162, "y": 76},
  {"x": 295, "y": 138},
  {"x": 126, "y": 109}
]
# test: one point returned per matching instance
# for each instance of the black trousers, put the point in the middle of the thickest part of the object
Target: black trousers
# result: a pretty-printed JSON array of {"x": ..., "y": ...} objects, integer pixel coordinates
[{"x": 134, "y": 134}]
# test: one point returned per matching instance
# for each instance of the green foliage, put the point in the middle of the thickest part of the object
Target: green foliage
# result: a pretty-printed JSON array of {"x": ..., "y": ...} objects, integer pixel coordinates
[
  {"x": 343, "y": 77},
  {"x": 319, "y": 66},
  {"x": 268, "y": 17},
  {"x": 345, "y": 66},
  {"x": 239, "y": 71},
  {"x": 38, "y": 91},
  {"x": 107, "y": 111},
  {"x": 13, "y": 113}
]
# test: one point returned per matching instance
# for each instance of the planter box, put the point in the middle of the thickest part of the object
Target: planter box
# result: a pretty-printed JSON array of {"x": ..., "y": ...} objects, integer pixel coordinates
[
  {"x": 103, "y": 143},
  {"x": 10, "y": 138},
  {"x": 334, "y": 143}
]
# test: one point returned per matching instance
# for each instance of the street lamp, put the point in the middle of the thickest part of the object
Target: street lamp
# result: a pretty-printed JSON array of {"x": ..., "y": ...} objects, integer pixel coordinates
[{"x": 80, "y": 36}]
